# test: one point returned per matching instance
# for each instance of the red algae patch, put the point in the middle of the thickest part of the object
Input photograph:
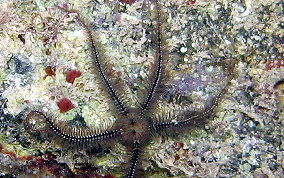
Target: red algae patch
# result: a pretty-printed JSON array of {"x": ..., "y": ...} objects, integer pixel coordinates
[
  {"x": 65, "y": 105},
  {"x": 276, "y": 63},
  {"x": 72, "y": 75},
  {"x": 190, "y": 2},
  {"x": 108, "y": 176},
  {"x": 50, "y": 71},
  {"x": 127, "y": 1}
]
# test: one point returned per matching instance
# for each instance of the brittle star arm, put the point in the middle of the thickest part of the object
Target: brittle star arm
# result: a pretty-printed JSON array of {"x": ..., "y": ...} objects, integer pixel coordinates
[
  {"x": 133, "y": 161},
  {"x": 113, "y": 93},
  {"x": 78, "y": 135},
  {"x": 189, "y": 117},
  {"x": 156, "y": 77},
  {"x": 83, "y": 135},
  {"x": 120, "y": 106}
]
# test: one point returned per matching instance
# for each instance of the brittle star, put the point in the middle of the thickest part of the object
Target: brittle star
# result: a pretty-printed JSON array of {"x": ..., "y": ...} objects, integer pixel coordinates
[{"x": 136, "y": 126}]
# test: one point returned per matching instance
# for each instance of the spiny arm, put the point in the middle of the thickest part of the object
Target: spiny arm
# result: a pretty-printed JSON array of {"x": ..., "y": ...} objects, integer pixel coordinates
[
  {"x": 133, "y": 161},
  {"x": 73, "y": 134},
  {"x": 113, "y": 93},
  {"x": 189, "y": 118},
  {"x": 118, "y": 103},
  {"x": 156, "y": 77}
]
